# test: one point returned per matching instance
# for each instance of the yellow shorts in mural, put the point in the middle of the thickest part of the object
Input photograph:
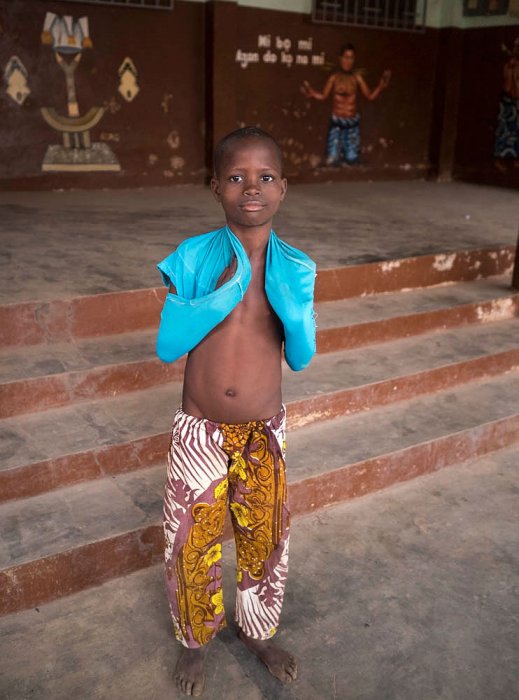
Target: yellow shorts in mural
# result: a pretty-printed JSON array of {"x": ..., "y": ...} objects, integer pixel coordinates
[{"x": 212, "y": 467}]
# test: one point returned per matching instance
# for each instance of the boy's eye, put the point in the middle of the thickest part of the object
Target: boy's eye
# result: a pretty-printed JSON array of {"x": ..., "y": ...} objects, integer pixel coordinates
[
  {"x": 267, "y": 178},
  {"x": 235, "y": 178}
]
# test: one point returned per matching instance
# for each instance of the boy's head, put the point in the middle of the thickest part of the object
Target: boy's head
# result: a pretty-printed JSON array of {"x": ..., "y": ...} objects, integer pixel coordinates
[
  {"x": 347, "y": 56},
  {"x": 237, "y": 137},
  {"x": 248, "y": 178}
]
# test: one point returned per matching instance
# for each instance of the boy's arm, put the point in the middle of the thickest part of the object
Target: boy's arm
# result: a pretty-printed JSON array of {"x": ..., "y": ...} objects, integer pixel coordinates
[
  {"x": 308, "y": 90},
  {"x": 382, "y": 85},
  {"x": 181, "y": 324},
  {"x": 228, "y": 273}
]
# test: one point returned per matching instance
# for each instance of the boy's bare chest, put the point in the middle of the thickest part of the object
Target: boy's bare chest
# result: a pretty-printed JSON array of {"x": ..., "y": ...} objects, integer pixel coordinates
[
  {"x": 254, "y": 312},
  {"x": 345, "y": 84},
  {"x": 254, "y": 307}
]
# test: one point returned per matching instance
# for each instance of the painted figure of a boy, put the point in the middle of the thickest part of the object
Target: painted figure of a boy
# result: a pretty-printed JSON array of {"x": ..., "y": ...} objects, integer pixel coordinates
[{"x": 343, "y": 144}]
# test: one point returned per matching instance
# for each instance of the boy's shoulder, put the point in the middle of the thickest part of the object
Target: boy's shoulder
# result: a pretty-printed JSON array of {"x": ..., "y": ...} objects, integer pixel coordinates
[
  {"x": 187, "y": 257},
  {"x": 200, "y": 240},
  {"x": 290, "y": 252},
  {"x": 195, "y": 249}
]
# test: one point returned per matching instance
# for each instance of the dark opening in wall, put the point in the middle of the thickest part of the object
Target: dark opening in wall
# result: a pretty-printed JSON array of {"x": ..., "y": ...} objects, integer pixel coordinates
[
  {"x": 145, "y": 4},
  {"x": 403, "y": 15},
  {"x": 479, "y": 8}
]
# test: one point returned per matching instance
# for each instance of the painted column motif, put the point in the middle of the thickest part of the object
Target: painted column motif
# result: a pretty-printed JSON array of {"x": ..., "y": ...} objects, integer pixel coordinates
[{"x": 68, "y": 38}]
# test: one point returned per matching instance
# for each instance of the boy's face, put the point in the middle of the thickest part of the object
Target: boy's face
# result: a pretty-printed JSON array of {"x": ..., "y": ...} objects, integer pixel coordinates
[
  {"x": 347, "y": 60},
  {"x": 249, "y": 184}
]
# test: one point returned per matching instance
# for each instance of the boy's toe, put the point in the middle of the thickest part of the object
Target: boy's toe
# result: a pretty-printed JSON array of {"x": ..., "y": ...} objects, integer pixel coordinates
[{"x": 197, "y": 689}]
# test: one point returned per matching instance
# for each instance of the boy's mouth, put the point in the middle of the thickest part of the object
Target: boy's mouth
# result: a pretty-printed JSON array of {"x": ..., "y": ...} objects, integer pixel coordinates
[{"x": 252, "y": 205}]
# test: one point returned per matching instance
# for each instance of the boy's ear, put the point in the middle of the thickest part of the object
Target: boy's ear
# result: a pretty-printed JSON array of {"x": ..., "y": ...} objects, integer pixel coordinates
[
  {"x": 215, "y": 188},
  {"x": 284, "y": 185}
]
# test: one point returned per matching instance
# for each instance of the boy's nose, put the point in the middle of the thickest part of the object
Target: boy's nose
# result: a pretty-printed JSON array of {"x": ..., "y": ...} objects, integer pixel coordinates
[{"x": 252, "y": 187}]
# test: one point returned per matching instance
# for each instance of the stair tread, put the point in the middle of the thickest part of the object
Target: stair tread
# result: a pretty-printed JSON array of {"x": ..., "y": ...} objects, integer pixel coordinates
[
  {"x": 378, "y": 307},
  {"x": 86, "y": 354},
  {"x": 78, "y": 514},
  {"x": 351, "y": 368},
  {"x": 355, "y": 438},
  {"x": 115, "y": 420},
  {"x": 430, "y": 559},
  {"x": 93, "y": 424}
]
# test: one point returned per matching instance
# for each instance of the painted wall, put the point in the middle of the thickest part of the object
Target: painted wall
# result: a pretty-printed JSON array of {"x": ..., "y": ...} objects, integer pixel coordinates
[
  {"x": 439, "y": 13},
  {"x": 170, "y": 84},
  {"x": 478, "y": 155},
  {"x": 395, "y": 128},
  {"x": 157, "y": 137},
  {"x": 449, "y": 13}
]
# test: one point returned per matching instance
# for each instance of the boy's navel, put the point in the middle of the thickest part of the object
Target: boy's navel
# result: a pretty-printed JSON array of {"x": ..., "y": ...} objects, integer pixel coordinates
[{"x": 231, "y": 393}]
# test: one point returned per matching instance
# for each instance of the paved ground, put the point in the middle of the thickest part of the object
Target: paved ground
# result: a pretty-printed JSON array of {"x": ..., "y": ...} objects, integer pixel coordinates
[
  {"x": 406, "y": 594},
  {"x": 58, "y": 244}
]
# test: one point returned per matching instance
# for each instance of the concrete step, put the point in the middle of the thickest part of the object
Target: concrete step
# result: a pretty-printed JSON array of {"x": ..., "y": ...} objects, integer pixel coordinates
[
  {"x": 57, "y": 374},
  {"x": 49, "y": 375},
  {"x": 35, "y": 322},
  {"x": 42, "y": 451},
  {"x": 383, "y": 317},
  {"x": 62, "y": 541},
  {"x": 350, "y": 381},
  {"x": 393, "y": 275},
  {"x": 385, "y": 598}
]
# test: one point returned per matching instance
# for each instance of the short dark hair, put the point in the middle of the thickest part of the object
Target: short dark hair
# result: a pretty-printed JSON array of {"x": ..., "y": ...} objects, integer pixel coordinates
[
  {"x": 347, "y": 47},
  {"x": 247, "y": 132}
]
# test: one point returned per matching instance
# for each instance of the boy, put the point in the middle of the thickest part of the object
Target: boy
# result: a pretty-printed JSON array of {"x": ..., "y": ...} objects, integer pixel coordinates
[
  {"x": 343, "y": 140},
  {"x": 236, "y": 296}
]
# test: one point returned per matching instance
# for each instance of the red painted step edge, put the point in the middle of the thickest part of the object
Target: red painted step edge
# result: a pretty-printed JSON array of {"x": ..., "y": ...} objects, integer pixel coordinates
[
  {"x": 34, "y": 322},
  {"x": 361, "y": 478},
  {"x": 361, "y": 334},
  {"x": 51, "y": 391},
  {"x": 40, "y": 477},
  {"x": 28, "y": 585},
  {"x": 37, "y": 582}
]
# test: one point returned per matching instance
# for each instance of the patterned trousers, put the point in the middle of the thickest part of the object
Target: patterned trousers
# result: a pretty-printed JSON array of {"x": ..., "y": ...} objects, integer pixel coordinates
[
  {"x": 343, "y": 140},
  {"x": 213, "y": 466},
  {"x": 507, "y": 132}
]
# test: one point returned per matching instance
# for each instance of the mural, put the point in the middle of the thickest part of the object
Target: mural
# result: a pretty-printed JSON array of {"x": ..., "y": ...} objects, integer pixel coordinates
[
  {"x": 159, "y": 124},
  {"x": 68, "y": 39},
  {"x": 128, "y": 87},
  {"x": 506, "y": 148},
  {"x": 280, "y": 50},
  {"x": 343, "y": 139},
  {"x": 16, "y": 76},
  {"x": 84, "y": 88}
]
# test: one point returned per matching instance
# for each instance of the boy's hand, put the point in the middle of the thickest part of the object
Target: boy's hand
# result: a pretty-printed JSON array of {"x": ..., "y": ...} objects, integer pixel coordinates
[
  {"x": 228, "y": 273},
  {"x": 386, "y": 77},
  {"x": 307, "y": 89}
]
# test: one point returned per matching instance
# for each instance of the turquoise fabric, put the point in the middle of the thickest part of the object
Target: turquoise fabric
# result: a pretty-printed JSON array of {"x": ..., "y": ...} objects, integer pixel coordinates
[{"x": 197, "y": 307}]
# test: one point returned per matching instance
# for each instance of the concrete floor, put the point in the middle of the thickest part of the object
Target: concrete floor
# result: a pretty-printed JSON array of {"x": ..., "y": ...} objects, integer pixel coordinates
[
  {"x": 405, "y": 594},
  {"x": 58, "y": 244}
]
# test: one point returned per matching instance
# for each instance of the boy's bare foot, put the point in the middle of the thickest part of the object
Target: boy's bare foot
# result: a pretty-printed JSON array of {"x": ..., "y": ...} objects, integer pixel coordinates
[
  {"x": 279, "y": 662},
  {"x": 189, "y": 675}
]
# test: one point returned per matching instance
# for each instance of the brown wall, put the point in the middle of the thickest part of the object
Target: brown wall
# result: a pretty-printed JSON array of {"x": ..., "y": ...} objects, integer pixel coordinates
[
  {"x": 437, "y": 116},
  {"x": 394, "y": 128},
  {"x": 480, "y": 89},
  {"x": 167, "y": 49}
]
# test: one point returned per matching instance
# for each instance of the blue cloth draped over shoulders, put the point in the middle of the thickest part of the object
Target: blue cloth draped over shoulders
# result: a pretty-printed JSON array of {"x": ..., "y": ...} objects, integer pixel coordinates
[{"x": 194, "y": 269}]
